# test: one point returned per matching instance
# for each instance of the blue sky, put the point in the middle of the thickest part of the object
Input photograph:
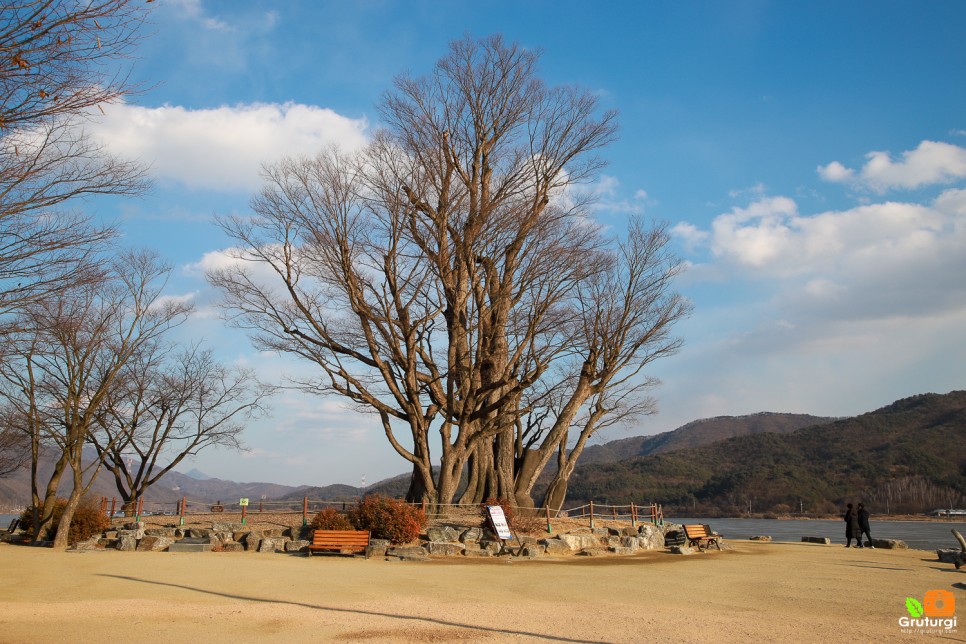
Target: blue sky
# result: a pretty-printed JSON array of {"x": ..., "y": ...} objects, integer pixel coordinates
[{"x": 809, "y": 157}]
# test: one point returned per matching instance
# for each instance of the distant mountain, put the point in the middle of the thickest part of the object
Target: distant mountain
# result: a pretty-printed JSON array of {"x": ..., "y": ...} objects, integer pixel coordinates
[
  {"x": 907, "y": 456},
  {"x": 698, "y": 433},
  {"x": 197, "y": 474}
]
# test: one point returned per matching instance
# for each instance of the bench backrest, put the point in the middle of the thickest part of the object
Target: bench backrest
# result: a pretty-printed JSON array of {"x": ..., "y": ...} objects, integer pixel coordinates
[
  {"x": 340, "y": 538},
  {"x": 696, "y": 531}
]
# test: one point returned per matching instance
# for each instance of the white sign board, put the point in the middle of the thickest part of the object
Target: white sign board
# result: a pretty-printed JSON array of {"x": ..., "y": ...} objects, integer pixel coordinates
[{"x": 498, "y": 520}]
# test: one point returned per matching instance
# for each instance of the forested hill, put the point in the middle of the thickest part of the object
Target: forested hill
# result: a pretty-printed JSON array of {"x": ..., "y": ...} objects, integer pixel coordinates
[
  {"x": 698, "y": 433},
  {"x": 909, "y": 456}
]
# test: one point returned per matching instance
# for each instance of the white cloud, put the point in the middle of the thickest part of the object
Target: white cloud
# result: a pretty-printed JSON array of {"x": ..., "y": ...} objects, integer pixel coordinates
[
  {"x": 223, "y": 148},
  {"x": 932, "y": 162}
]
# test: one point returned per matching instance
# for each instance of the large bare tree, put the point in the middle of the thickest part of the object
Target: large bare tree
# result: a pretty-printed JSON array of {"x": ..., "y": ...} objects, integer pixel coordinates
[
  {"x": 450, "y": 270},
  {"x": 59, "y": 60},
  {"x": 169, "y": 406},
  {"x": 68, "y": 357}
]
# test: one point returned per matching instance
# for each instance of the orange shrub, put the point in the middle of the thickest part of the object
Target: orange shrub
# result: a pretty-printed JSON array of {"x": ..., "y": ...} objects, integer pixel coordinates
[
  {"x": 387, "y": 518},
  {"x": 331, "y": 519}
]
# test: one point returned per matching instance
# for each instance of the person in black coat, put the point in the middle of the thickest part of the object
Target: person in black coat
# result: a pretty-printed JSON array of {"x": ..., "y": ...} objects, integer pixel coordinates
[
  {"x": 863, "y": 516},
  {"x": 852, "y": 527}
]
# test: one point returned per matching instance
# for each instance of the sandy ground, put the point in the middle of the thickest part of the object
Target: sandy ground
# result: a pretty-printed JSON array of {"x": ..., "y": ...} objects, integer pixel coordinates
[{"x": 757, "y": 592}]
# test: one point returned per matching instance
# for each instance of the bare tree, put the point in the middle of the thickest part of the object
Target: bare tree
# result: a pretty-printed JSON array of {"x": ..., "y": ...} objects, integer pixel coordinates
[
  {"x": 59, "y": 59},
  {"x": 68, "y": 358},
  {"x": 171, "y": 407},
  {"x": 442, "y": 275},
  {"x": 14, "y": 445}
]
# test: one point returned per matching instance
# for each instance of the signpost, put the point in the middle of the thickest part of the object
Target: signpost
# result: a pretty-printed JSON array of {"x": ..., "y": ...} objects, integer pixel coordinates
[
  {"x": 499, "y": 523},
  {"x": 244, "y": 506}
]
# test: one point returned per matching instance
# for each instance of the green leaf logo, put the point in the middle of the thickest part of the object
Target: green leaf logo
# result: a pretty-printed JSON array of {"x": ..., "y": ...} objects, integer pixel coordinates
[{"x": 914, "y": 607}]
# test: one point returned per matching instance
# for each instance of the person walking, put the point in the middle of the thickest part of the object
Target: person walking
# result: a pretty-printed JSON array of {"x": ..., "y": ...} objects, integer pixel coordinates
[
  {"x": 852, "y": 527},
  {"x": 863, "y": 517}
]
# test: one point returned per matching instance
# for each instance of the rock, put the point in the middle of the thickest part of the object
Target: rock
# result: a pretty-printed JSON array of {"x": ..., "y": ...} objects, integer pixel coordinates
[
  {"x": 618, "y": 550},
  {"x": 531, "y": 551},
  {"x": 442, "y": 534},
  {"x": 890, "y": 544},
  {"x": 492, "y": 546},
  {"x": 471, "y": 535},
  {"x": 600, "y": 532},
  {"x": 233, "y": 546},
  {"x": 444, "y": 548},
  {"x": 760, "y": 538},
  {"x": 378, "y": 547},
  {"x": 650, "y": 537},
  {"x": 160, "y": 532},
  {"x": 823, "y": 540},
  {"x": 682, "y": 550},
  {"x": 949, "y": 555},
  {"x": 154, "y": 543},
  {"x": 590, "y": 552},
  {"x": 297, "y": 545},
  {"x": 127, "y": 542},
  {"x": 633, "y": 544},
  {"x": 629, "y": 531},
  {"x": 112, "y": 534},
  {"x": 270, "y": 545},
  {"x": 86, "y": 546},
  {"x": 408, "y": 553},
  {"x": 579, "y": 541},
  {"x": 555, "y": 546},
  {"x": 473, "y": 552},
  {"x": 299, "y": 532},
  {"x": 227, "y": 527}
]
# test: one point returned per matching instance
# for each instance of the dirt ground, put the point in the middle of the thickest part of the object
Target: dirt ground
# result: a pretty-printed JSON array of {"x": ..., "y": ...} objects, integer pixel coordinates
[{"x": 756, "y": 592}]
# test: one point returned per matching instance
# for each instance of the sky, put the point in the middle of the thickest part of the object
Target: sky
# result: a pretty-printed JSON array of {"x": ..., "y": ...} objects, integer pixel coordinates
[{"x": 809, "y": 159}]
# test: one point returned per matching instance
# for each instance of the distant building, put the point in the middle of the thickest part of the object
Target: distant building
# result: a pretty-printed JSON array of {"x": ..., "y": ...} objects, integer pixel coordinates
[{"x": 948, "y": 513}]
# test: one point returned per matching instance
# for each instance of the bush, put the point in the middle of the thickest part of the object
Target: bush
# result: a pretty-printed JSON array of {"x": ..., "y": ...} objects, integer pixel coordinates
[
  {"x": 523, "y": 520},
  {"x": 387, "y": 518},
  {"x": 331, "y": 519},
  {"x": 88, "y": 520}
]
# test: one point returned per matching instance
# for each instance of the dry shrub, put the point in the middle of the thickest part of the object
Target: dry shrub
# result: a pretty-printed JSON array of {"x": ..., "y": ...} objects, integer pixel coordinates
[
  {"x": 88, "y": 520},
  {"x": 331, "y": 519},
  {"x": 387, "y": 518},
  {"x": 522, "y": 520}
]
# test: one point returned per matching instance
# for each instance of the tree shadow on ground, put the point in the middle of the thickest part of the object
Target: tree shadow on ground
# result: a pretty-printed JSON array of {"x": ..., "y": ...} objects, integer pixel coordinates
[{"x": 336, "y": 609}]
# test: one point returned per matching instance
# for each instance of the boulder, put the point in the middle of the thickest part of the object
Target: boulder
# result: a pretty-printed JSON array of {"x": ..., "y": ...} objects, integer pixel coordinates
[
  {"x": 442, "y": 534},
  {"x": 579, "y": 541},
  {"x": 154, "y": 543},
  {"x": 650, "y": 537},
  {"x": 682, "y": 550},
  {"x": 269, "y": 544},
  {"x": 127, "y": 542},
  {"x": 378, "y": 547},
  {"x": 491, "y": 546},
  {"x": 760, "y": 538},
  {"x": 890, "y": 544},
  {"x": 160, "y": 532},
  {"x": 199, "y": 533},
  {"x": 601, "y": 533},
  {"x": 297, "y": 545},
  {"x": 408, "y": 553},
  {"x": 86, "y": 546},
  {"x": 555, "y": 546},
  {"x": 476, "y": 552},
  {"x": 632, "y": 544},
  {"x": 472, "y": 535},
  {"x": 823, "y": 540},
  {"x": 618, "y": 550},
  {"x": 629, "y": 531},
  {"x": 444, "y": 548},
  {"x": 949, "y": 555},
  {"x": 233, "y": 546}
]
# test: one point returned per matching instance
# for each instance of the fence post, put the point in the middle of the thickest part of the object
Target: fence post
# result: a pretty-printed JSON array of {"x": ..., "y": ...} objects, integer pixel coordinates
[
  {"x": 140, "y": 508},
  {"x": 615, "y": 512},
  {"x": 549, "y": 527},
  {"x": 305, "y": 511},
  {"x": 259, "y": 506},
  {"x": 113, "y": 505},
  {"x": 591, "y": 515},
  {"x": 103, "y": 505},
  {"x": 184, "y": 502},
  {"x": 633, "y": 516},
  {"x": 423, "y": 505}
]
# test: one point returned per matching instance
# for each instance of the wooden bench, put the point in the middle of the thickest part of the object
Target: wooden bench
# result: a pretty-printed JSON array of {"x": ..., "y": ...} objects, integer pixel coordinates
[
  {"x": 701, "y": 536},
  {"x": 341, "y": 541}
]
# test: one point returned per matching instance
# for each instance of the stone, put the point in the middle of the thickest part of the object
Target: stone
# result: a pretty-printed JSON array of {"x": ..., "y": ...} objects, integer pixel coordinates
[
  {"x": 650, "y": 537},
  {"x": 127, "y": 542},
  {"x": 442, "y": 534},
  {"x": 444, "y": 548},
  {"x": 555, "y": 546},
  {"x": 682, "y": 550},
  {"x": 632, "y": 544},
  {"x": 601, "y": 532},
  {"x": 492, "y": 546},
  {"x": 579, "y": 541},
  {"x": 823, "y": 540},
  {"x": 227, "y": 527},
  {"x": 187, "y": 545},
  {"x": 618, "y": 550},
  {"x": 531, "y": 551},
  {"x": 408, "y": 553},
  {"x": 472, "y": 535},
  {"x": 160, "y": 532},
  {"x": 949, "y": 555},
  {"x": 628, "y": 531},
  {"x": 378, "y": 547},
  {"x": 199, "y": 533},
  {"x": 269, "y": 545},
  {"x": 112, "y": 534},
  {"x": 473, "y": 552},
  {"x": 154, "y": 543},
  {"x": 890, "y": 544},
  {"x": 297, "y": 545},
  {"x": 760, "y": 538},
  {"x": 86, "y": 546},
  {"x": 233, "y": 546}
]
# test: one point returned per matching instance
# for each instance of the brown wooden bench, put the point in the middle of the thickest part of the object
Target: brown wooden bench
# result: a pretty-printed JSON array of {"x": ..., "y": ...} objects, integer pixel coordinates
[
  {"x": 341, "y": 541},
  {"x": 701, "y": 536}
]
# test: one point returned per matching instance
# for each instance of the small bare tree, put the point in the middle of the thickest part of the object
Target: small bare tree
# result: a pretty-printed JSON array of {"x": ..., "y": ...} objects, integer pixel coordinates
[
  {"x": 169, "y": 407},
  {"x": 69, "y": 356},
  {"x": 59, "y": 59}
]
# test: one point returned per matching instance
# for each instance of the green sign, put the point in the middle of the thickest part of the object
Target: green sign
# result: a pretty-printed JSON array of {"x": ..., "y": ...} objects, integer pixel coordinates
[{"x": 242, "y": 502}]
